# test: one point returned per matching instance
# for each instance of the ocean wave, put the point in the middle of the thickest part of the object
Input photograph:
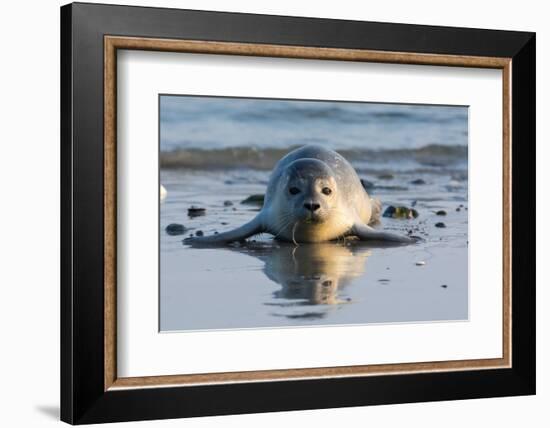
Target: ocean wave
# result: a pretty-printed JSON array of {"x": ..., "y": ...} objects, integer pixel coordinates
[{"x": 433, "y": 155}]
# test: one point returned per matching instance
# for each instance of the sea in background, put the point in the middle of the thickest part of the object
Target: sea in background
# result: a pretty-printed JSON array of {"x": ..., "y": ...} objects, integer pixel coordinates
[{"x": 216, "y": 152}]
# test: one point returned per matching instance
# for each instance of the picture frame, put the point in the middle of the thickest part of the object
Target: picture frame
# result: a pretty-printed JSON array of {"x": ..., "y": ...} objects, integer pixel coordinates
[{"x": 91, "y": 35}]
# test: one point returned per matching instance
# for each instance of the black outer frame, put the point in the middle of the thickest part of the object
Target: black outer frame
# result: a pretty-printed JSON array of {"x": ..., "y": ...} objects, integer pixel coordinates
[{"x": 83, "y": 399}]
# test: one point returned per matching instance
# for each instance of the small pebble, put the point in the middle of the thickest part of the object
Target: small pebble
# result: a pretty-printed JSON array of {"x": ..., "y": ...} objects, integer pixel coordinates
[
  {"x": 224, "y": 223},
  {"x": 441, "y": 212},
  {"x": 418, "y": 181},
  {"x": 444, "y": 286},
  {"x": 367, "y": 185},
  {"x": 389, "y": 212},
  {"x": 200, "y": 233},
  {"x": 175, "y": 229},
  {"x": 420, "y": 263},
  {"x": 440, "y": 224},
  {"x": 196, "y": 211},
  {"x": 257, "y": 199},
  {"x": 386, "y": 176},
  {"x": 227, "y": 203},
  {"x": 458, "y": 209}
]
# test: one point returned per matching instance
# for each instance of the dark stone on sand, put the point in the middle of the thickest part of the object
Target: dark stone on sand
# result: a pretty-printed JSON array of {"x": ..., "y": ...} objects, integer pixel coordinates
[
  {"x": 418, "y": 181},
  {"x": 441, "y": 212},
  {"x": 224, "y": 223},
  {"x": 200, "y": 233},
  {"x": 400, "y": 212},
  {"x": 444, "y": 286},
  {"x": 390, "y": 211},
  {"x": 440, "y": 224},
  {"x": 227, "y": 203},
  {"x": 196, "y": 211},
  {"x": 174, "y": 229},
  {"x": 458, "y": 209},
  {"x": 257, "y": 199},
  {"x": 386, "y": 176},
  {"x": 367, "y": 185}
]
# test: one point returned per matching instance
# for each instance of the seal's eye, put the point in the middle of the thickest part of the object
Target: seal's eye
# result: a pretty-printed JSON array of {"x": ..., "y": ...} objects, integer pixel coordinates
[
  {"x": 294, "y": 190},
  {"x": 326, "y": 191}
]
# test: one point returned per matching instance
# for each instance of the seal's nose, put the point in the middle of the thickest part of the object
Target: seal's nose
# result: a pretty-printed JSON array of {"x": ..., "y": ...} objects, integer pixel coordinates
[{"x": 311, "y": 206}]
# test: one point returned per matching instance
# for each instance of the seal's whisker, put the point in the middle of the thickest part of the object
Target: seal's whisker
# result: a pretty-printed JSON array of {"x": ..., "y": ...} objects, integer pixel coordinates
[
  {"x": 294, "y": 256},
  {"x": 294, "y": 231}
]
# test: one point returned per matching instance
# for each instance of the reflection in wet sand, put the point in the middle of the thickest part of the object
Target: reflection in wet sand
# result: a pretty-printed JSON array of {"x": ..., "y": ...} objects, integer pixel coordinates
[{"x": 311, "y": 276}]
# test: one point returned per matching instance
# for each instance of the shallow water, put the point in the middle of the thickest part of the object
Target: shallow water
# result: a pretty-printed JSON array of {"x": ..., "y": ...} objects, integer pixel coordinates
[{"x": 271, "y": 284}]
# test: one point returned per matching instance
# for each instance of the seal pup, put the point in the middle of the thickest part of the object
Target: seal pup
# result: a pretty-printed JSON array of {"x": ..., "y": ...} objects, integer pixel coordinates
[{"x": 313, "y": 195}]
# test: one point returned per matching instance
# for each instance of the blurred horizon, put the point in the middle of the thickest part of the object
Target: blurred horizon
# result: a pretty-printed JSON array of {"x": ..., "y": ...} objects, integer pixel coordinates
[{"x": 209, "y": 123}]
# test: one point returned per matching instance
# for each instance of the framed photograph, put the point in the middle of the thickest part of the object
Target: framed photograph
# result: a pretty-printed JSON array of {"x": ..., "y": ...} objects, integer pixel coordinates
[{"x": 267, "y": 213}]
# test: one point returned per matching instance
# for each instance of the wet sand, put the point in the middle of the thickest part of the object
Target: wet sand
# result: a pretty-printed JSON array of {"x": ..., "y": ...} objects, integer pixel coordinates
[{"x": 267, "y": 283}]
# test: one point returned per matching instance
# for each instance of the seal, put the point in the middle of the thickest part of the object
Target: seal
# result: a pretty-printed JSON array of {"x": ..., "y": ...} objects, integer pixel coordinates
[{"x": 313, "y": 195}]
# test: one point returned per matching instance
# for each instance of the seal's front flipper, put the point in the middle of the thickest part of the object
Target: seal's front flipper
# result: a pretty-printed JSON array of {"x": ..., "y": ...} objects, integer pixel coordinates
[
  {"x": 367, "y": 233},
  {"x": 247, "y": 230}
]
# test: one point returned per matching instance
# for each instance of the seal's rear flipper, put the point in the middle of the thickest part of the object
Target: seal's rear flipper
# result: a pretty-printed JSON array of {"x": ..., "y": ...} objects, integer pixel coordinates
[
  {"x": 253, "y": 227},
  {"x": 376, "y": 207},
  {"x": 367, "y": 233}
]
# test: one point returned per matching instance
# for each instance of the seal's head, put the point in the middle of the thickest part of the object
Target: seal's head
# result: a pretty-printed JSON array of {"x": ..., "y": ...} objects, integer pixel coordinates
[{"x": 309, "y": 191}]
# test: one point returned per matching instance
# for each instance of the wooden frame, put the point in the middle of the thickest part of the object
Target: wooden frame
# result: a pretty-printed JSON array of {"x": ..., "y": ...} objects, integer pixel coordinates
[
  {"x": 112, "y": 43},
  {"x": 513, "y": 53}
]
